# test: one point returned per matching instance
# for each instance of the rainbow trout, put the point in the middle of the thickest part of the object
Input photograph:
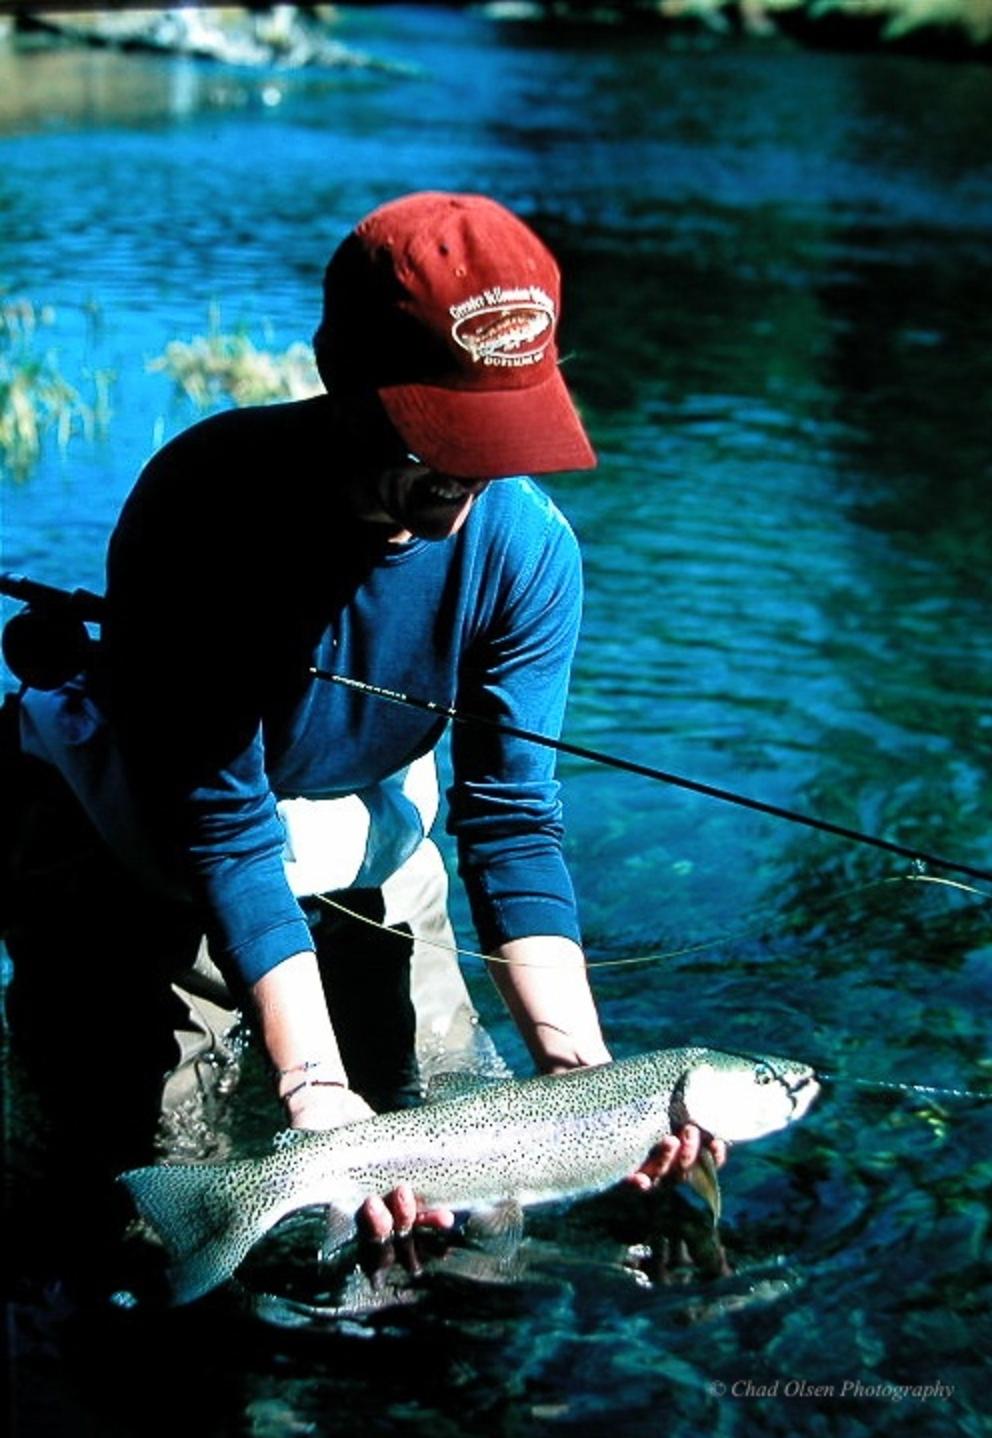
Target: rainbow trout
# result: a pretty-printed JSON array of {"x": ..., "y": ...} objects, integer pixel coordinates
[{"x": 481, "y": 1147}]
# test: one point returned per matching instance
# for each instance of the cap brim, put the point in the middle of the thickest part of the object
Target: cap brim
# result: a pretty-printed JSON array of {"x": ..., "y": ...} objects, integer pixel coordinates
[{"x": 493, "y": 434}]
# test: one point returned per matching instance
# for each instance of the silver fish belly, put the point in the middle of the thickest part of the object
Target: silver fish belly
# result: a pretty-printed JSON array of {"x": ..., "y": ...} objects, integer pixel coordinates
[{"x": 528, "y": 1140}]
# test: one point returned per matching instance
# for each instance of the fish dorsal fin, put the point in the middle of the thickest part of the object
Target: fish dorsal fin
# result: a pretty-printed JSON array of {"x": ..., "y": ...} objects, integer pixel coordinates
[{"x": 443, "y": 1087}]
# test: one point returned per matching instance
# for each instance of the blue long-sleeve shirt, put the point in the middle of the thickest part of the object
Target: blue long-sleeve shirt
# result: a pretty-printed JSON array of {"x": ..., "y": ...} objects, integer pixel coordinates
[{"x": 236, "y": 565}]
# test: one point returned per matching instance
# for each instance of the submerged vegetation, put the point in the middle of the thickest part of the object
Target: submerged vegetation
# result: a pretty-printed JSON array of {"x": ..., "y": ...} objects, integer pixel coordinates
[
  {"x": 35, "y": 396},
  {"x": 963, "y": 26},
  {"x": 214, "y": 368},
  {"x": 969, "y": 22},
  {"x": 210, "y": 370}
]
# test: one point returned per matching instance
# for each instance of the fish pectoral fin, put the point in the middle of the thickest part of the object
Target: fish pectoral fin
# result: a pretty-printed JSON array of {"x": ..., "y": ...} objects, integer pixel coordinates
[
  {"x": 498, "y": 1230},
  {"x": 702, "y": 1177},
  {"x": 339, "y": 1229}
]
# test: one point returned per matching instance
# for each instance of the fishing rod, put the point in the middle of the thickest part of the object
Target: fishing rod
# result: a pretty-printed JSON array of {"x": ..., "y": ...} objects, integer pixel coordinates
[
  {"x": 81, "y": 602},
  {"x": 648, "y": 771},
  {"x": 56, "y": 617}
]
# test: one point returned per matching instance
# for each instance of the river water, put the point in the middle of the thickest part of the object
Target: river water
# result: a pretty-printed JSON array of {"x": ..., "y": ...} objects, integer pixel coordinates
[{"x": 779, "y": 323}]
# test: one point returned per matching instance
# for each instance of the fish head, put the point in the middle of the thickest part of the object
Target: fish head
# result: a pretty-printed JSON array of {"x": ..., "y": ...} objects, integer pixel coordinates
[{"x": 742, "y": 1096}]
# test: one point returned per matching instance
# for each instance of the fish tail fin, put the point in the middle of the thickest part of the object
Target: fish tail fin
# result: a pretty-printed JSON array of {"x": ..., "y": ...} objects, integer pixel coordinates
[{"x": 192, "y": 1208}]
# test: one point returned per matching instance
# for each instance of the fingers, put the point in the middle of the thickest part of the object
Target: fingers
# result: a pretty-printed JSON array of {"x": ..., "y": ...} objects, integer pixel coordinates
[
  {"x": 395, "y": 1214},
  {"x": 658, "y": 1163},
  {"x": 689, "y": 1149},
  {"x": 375, "y": 1221},
  {"x": 402, "y": 1203},
  {"x": 385, "y": 1229},
  {"x": 435, "y": 1218},
  {"x": 675, "y": 1154}
]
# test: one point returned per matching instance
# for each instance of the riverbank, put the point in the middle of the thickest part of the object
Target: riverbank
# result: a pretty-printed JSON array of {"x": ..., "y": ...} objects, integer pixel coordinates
[
  {"x": 294, "y": 36},
  {"x": 288, "y": 36}
]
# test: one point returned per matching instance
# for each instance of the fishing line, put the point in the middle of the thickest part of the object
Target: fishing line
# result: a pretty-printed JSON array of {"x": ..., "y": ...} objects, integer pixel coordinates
[
  {"x": 771, "y": 921},
  {"x": 463, "y": 953},
  {"x": 929, "y": 1089},
  {"x": 932, "y": 879},
  {"x": 817, "y": 908},
  {"x": 83, "y": 605},
  {"x": 919, "y": 857}
]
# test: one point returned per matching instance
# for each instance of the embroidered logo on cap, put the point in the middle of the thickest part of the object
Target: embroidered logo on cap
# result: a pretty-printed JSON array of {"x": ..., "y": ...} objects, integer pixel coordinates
[{"x": 505, "y": 327}]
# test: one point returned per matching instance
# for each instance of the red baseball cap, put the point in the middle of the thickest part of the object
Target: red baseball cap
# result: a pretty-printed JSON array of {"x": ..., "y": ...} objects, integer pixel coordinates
[{"x": 447, "y": 307}]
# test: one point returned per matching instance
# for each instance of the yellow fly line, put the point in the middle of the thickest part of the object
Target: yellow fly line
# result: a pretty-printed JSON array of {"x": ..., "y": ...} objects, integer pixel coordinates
[{"x": 735, "y": 937}]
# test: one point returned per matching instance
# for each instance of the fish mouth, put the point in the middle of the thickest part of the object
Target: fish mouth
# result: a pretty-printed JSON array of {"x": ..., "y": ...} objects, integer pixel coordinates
[{"x": 801, "y": 1090}]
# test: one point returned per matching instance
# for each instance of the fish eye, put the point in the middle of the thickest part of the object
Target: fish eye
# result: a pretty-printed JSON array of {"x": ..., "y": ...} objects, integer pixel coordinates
[{"x": 763, "y": 1074}]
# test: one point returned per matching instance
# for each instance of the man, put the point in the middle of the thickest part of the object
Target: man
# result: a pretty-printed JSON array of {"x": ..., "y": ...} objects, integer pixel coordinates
[{"x": 381, "y": 532}]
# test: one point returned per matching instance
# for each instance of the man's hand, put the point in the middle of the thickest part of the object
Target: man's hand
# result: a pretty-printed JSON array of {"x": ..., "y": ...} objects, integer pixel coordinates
[
  {"x": 386, "y": 1226},
  {"x": 381, "y": 1219},
  {"x": 396, "y": 1214},
  {"x": 673, "y": 1156}
]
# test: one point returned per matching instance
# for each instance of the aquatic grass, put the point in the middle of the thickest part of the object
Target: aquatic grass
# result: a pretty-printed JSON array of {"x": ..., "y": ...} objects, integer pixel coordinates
[
  {"x": 901, "y": 18},
  {"x": 967, "y": 21},
  {"x": 219, "y": 367},
  {"x": 35, "y": 396},
  {"x": 898, "y": 18},
  {"x": 210, "y": 370}
]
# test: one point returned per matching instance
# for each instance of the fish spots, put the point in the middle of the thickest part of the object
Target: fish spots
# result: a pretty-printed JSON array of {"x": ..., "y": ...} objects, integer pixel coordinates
[{"x": 531, "y": 1141}]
